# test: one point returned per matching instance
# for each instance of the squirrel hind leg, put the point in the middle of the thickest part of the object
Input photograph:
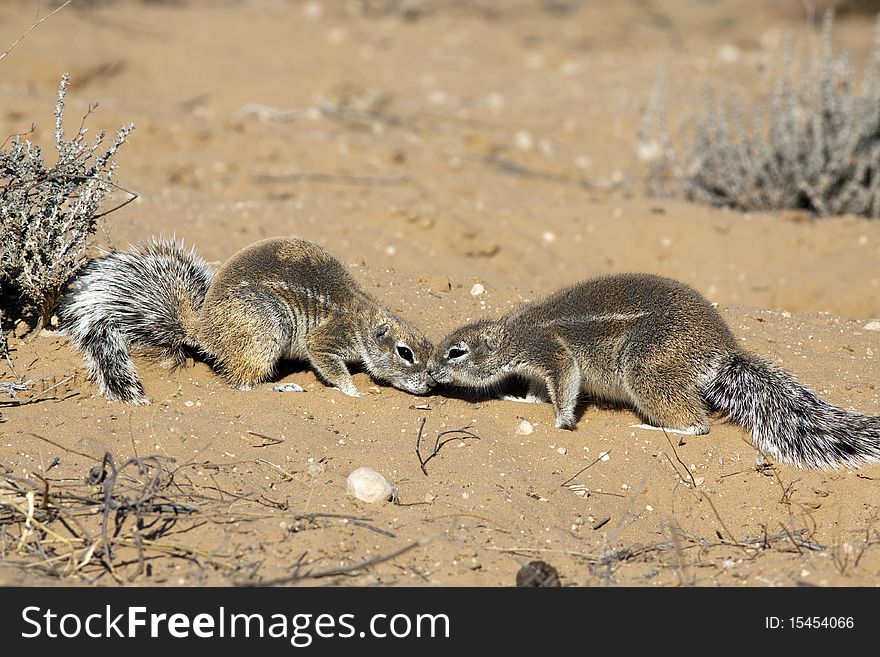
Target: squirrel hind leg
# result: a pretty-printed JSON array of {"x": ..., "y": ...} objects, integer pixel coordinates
[
  {"x": 248, "y": 362},
  {"x": 245, "y": 341},
  {"x": 671, "y": 409}
]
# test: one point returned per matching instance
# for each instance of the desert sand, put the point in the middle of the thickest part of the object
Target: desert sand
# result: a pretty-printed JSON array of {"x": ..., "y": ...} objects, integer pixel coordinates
[{"x": 433, "y": 150}]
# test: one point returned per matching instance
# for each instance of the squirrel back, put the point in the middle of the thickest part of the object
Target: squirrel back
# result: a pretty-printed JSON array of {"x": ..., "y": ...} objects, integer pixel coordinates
[{"x": 147, "y": 299}]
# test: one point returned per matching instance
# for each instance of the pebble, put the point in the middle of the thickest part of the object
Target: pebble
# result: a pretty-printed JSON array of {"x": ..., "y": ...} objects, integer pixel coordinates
[
  {"x": 524, "y": 140},
  {"x": 872, "y": 326},
  {"x": 525, "y": 428},
  {"x": 477, "y": 289},
  {"x": 537, "y": 573},
  {"x": 368, "y": 485}
]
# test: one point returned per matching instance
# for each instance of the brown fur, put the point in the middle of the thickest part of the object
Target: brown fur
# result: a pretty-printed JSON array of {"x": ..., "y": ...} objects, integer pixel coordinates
[
  {"x": 643, "y": 340},
  {"x": 290, "y": 298}
]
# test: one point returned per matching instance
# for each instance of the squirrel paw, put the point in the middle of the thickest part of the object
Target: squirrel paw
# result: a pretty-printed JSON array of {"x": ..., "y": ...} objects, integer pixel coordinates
[
  {"x": 689, "y": 431},
  {"x": 351, "y": 392},
  {"x": 567, "y": 423},
  {"x": 528, "y": 399},
  {"x": 288, "y": 387}
]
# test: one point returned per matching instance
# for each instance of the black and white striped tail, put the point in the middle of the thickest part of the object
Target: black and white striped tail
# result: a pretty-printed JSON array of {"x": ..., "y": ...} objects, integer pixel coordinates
[
  {"x": 147, "y": 299},
  {"x": 787, "y": 420}
]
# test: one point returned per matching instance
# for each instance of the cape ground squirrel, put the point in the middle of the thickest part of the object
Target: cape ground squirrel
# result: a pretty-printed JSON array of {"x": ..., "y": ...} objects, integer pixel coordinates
[
  {"x": 278, "y": 298},
  {"x": 662, "y": 348}
]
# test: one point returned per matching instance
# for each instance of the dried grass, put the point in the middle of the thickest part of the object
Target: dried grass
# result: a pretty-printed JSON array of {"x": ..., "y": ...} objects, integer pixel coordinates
[{"x": 813, "y": 145}]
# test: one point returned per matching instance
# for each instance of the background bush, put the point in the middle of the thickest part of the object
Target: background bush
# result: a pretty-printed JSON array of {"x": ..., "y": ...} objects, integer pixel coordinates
[{"x": 814, "y": 144}]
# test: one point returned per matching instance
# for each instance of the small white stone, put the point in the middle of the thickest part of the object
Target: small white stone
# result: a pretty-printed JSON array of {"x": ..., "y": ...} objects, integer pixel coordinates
[
  {"x": 368, "y": 485},
  {"x": 313, "y": 10},
  {"x": 649, "y": 508},
  {"x": 872, "y": 326},
  {"x": 604, "y": 456},
  {"x": 729, "y": 54},
  {"x": 316, "y": 468},
  {"x": 548, "y": 236},
  {"x": 699, "y": 481},
  {"x": 525, "y": 428},
  {"x": 624, "y": 486},
  {"x": 649, "y": 151},
  {"x": 561, "y": 450},
  {"x": 495, "y": 101},
  {"x": 188, "y": 404},
  {"x": 477, "y": 289},
  {"x": 524, "y": 140}
]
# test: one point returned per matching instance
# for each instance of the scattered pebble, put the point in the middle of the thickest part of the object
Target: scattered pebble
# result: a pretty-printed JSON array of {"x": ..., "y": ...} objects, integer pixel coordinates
[
  {"x": 368, "y": 485},
  {"x": 525, "y": 428},
  {"x": 524, "y": 140},
  {"x": 548, "y": 236},
  {"x": 729, "y": 54},
  {"x": 604, "y": 456},
  {"x": 477, "y": 289},
  {"x": 561, "y": 450},
  {"x": 316, "y": 468},
  {"x": 649, "y": 151},
  {"x": 872, "y": 326},
  {"x": 601, "y": 522},
  {"x": 537, "y": 573}
]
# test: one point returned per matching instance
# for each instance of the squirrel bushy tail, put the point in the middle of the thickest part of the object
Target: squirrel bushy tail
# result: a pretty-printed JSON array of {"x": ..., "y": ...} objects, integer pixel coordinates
[
  {"x": 147, "y": 299},
  {"x": 787, "y": 420}
]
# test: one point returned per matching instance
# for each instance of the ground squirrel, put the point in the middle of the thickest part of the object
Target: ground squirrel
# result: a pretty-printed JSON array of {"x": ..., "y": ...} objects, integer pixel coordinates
[
  {"x": 659, "y": 346},
  {"x": 279, "y": 298}
]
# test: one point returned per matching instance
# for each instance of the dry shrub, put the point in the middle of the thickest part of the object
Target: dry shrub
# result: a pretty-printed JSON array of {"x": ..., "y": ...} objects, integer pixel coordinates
[
  {"x": 813, "y": 145},
  {"x": 48, "y": 214}
]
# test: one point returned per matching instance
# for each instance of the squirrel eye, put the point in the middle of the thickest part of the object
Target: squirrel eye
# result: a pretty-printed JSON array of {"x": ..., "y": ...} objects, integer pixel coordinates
[
  {"x": 456, "y": 353},
  {"x": 405, "y": 353}
]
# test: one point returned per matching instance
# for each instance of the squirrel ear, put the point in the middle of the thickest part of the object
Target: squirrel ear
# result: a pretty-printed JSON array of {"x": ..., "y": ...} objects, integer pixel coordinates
[{"x": 381, "y": 330}]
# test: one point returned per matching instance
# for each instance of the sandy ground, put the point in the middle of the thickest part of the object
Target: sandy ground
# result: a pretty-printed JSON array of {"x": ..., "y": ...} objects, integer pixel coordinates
[{"x": 243, "y": 110}]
